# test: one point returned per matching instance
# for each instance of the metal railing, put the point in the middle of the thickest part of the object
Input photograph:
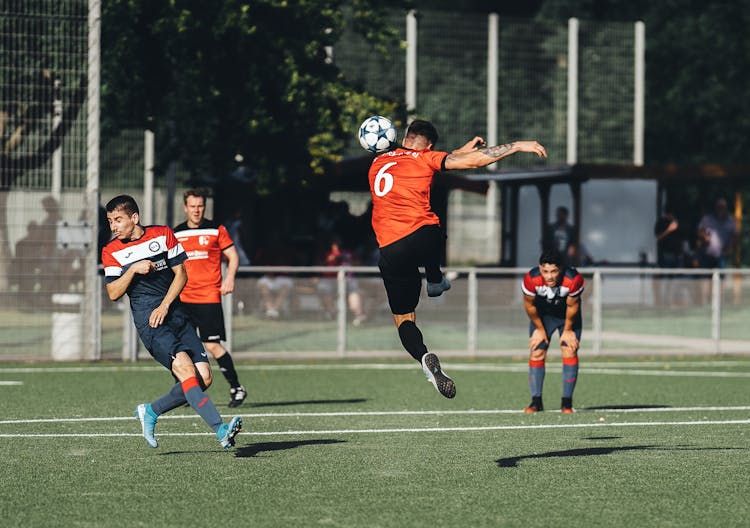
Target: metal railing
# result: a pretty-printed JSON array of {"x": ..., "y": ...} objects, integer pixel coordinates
[{"x": 626, "y": 310}]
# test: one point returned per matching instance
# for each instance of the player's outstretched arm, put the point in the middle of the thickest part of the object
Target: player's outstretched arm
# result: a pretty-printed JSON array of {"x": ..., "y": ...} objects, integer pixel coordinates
[{"x": 474, "y": 159}]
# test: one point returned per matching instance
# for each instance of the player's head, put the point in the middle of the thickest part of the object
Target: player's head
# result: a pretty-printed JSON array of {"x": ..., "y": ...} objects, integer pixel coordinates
[
  {"x": 123, "y": 216},
  {"x": 420, "y": 135},
  {"x": 551, "y": 267},
  {"x": 195, "y": 206}
]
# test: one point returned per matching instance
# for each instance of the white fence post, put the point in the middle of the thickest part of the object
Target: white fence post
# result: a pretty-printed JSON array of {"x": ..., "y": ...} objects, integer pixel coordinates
[
  {"x": 716, "y": 310},
  {"x": 341, "y": 311},
  {"x": 472, "y": 311},
  {"x": 596, "y": 315}
]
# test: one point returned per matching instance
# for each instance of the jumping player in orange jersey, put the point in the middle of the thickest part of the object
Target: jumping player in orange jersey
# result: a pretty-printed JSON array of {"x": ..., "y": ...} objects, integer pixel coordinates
[
  {"x": 409, "y": 233},
  {"x": 552, "y": 300},
  {"x": 205, "y": 243}
]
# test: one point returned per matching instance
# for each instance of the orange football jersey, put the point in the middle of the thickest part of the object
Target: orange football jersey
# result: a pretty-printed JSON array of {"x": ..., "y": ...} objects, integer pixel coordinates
[
  {"x": 400, "y": 183},
  {"x": 204, "y": 246}
]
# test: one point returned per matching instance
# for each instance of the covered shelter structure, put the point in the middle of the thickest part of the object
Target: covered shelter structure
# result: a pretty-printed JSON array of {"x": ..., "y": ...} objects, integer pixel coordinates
[{"x": 660, "y": 177}]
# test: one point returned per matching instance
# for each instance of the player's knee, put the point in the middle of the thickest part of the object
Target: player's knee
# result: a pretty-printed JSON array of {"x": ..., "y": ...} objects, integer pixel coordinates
[
  {"x": 538, "y": 354},
  {"x": 182, "y": 366}
]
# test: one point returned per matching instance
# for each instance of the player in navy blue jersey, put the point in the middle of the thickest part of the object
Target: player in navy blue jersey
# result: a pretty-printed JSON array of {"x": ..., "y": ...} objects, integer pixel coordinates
[
  {"x": 552, "y": 300},
  {"x": 147, "y": 264}
]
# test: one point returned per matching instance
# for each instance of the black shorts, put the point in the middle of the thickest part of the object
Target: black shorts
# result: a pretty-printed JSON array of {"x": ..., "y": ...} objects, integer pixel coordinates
[
  {"x": 399, "y": 266},
  {"x": 208, "y": 319},
  {"x": 175, "y": 334}
]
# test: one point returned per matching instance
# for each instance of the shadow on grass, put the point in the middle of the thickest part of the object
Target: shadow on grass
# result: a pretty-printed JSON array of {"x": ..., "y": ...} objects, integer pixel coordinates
[
  {"x": 307, "y": 402},
  {"x": 253, "y": 449},
  {"x": 512, "y": 462}
]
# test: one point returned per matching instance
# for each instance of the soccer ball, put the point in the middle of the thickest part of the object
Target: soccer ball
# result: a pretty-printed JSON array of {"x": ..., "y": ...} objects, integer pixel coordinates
[{"x": 377, "y": 134}]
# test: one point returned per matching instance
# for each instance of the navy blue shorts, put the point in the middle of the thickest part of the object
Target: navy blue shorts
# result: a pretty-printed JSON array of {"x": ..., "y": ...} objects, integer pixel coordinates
[
  {"x": 175, "y": 334},
  {"x": 208, "y": 318},
  {"x": 554, "y": 324}
]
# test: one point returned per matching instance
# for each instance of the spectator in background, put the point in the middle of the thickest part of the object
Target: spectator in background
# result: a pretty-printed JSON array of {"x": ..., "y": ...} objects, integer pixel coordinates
[
  {"x": 275, "y": 289},
  {"x": 669, "y": 250},
  {"x": 723, "y": 225},
  {"x": 327, "y": 285},
  {"x": 561, "y": 237},
  {"x": 234, "y": 228}
]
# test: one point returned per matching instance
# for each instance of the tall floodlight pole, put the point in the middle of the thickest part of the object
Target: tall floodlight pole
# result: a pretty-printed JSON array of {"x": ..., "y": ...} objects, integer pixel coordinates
[
  {"x": 493, "y": 44},
  {"x": 572, "y": 141},
  {"x": 91, "y": 309},
  {"x": 639, "y": 91},
  {"x": 411, "y": 63}
]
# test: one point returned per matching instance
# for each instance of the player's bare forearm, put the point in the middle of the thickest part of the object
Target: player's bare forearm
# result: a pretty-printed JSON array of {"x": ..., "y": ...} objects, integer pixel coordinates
[
  {"x": 233, "y": 264},
  {"x": 175, "y": 288},
  {"x": 573, "y": 307},
  {"x": 117, "y": 288},
  {"x": 486, "y": 155},
  {"x": 532, "y": 313}
]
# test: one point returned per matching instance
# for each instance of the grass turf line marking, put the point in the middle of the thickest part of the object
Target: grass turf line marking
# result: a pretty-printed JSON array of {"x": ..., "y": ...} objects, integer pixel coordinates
[
  {"x": 395, "y": 430},
  {"x": 11, "y": 382},
  {"x": 380, "y": 413}
]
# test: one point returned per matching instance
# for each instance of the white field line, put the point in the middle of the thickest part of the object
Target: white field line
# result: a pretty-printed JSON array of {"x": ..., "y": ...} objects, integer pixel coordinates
[
  {"x": 11, "y": 382},
  {"x": 602, "y": 367},
  {"x": 401, "y": 430},
  {"x": 355, "y": 414}
]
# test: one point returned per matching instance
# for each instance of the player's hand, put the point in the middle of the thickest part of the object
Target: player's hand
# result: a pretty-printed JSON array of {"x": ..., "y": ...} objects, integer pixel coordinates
[
  {"x": 532, "y": 147},
  {"x": 471, "y": 145},
  {"x": 568, "y": 338},
  {"x": 537, "y": 338},
  {"x": 227, "y": 286},
  {"x": 157, "y": 316},
  {"x": 143, "y": 267}
]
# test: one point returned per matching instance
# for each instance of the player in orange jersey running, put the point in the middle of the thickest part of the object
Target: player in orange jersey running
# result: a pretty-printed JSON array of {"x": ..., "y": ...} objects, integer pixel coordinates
[
  {"x": 206, "y": 243},
  {"x": 409, "y": 233}
]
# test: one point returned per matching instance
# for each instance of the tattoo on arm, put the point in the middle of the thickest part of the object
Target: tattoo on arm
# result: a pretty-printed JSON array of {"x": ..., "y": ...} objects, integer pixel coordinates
[{"x": 496, "y": 151}]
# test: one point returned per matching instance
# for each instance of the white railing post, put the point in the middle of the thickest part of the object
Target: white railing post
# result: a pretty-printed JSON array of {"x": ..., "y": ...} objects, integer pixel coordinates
[
  {"x": 341, "y": 311},
  {"x": 472, "y": 312},
  {"x": 596, "y": 315},
  {"x": 716, "y": 310}
]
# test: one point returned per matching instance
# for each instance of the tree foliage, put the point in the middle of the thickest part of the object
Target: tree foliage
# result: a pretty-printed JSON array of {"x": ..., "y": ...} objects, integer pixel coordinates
[{"x": 249, "y": 77}]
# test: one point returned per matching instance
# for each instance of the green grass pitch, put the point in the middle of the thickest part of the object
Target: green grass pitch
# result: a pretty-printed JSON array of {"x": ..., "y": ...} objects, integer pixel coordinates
[{"x": 655, "y": 442}]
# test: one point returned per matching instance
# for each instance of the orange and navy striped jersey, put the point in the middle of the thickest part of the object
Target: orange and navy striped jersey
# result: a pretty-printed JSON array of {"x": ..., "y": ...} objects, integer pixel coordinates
[
  {"x": 400, "y": 183},
  {"x": 159, "y": 245},
  {"x": 204, "y": 245},
  {"x": 552, "y": 300}
]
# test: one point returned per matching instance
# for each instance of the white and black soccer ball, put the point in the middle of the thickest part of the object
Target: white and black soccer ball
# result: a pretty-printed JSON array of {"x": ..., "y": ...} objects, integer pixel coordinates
[{"x": 377, "y": 134}]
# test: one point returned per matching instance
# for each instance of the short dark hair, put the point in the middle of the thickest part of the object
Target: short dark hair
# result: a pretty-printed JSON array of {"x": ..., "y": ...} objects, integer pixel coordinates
[
  {"x": 200, "y": 193},
  {"x": 420, "y": 127},
  {"x": 551, "y": 257},
  {"x": 125, "y": 202}
]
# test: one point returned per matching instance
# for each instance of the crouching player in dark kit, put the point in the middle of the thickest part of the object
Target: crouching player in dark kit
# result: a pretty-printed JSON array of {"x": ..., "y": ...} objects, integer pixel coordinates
[{"x": 552, "y": 299}]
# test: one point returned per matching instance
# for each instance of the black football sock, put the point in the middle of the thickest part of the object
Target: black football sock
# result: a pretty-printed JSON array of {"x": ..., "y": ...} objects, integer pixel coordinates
[
  {"x": 411, "y": 338},
  {"x": 226, "y": 365}
]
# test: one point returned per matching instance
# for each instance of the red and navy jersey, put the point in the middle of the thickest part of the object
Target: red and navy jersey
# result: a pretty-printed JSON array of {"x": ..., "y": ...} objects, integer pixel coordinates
[
  {"x": 400, "y": 183},
  {"x": 159, "y": 245},
  {"x": 552, "y": 300},
  {"x": 204, "y": 245}
]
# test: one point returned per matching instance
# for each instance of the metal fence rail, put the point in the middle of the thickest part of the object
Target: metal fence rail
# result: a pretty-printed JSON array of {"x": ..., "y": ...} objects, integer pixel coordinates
[{"x": 626, "y": 311}]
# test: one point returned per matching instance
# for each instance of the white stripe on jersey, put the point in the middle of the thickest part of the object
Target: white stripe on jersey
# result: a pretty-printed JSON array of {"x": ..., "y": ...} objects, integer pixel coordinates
[
  {"x": 112, "y": 271},
  {"x": 209, "y": 231}
]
